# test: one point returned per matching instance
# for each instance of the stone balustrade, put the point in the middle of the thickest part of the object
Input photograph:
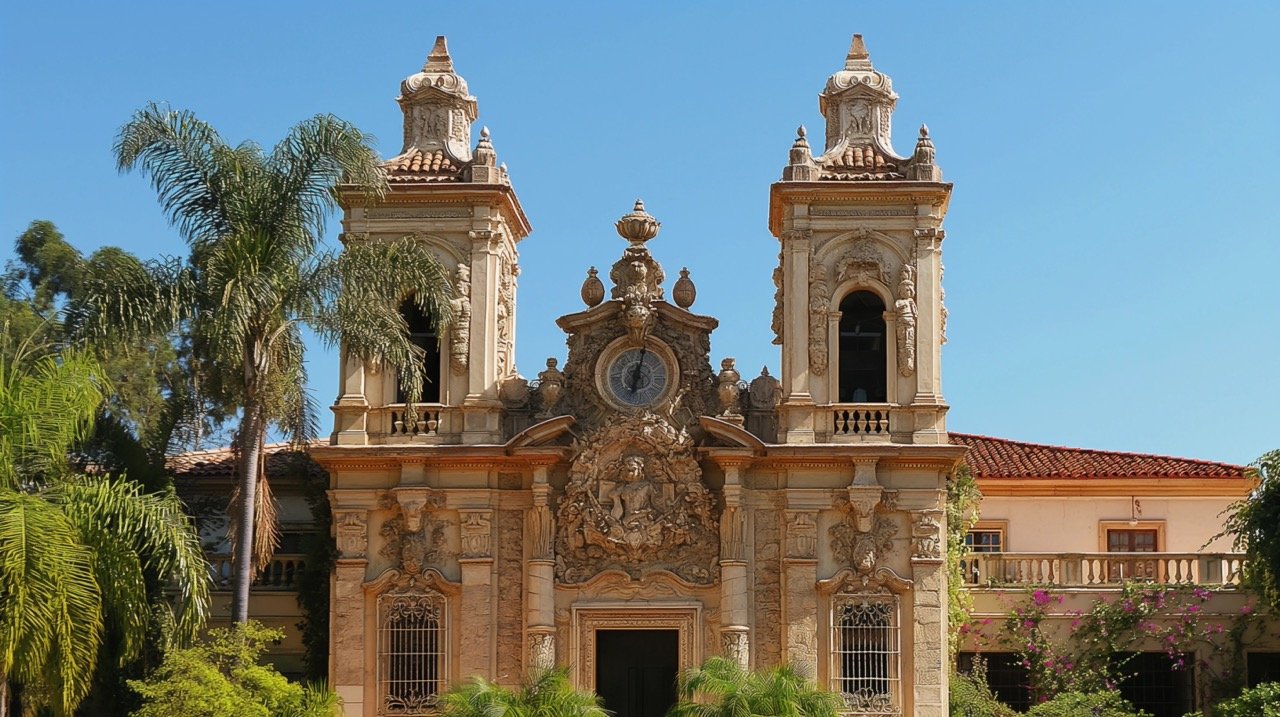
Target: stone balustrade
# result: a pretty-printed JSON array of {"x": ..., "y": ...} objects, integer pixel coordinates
[
  {"x": 1101, "y": 569},
  {"x": 281, "y": 574},
  {"x": 860, "y": 420},
  {"x": 428, "y": 421}
]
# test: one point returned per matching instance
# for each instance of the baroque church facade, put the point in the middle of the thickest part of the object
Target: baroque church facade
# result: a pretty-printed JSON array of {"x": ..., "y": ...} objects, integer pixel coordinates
[{"x": 644, "y": 507}]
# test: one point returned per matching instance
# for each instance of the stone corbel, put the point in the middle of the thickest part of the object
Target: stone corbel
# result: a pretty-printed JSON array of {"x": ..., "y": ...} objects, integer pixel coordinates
[
  {"x": 802, "y": 535},
  {"x": 414, "y": 503},
  {"x": 926, "y": 537}
]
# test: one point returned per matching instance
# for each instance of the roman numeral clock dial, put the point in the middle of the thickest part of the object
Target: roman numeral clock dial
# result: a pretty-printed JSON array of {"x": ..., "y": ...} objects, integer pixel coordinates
[{"x": 637, "y": 377}]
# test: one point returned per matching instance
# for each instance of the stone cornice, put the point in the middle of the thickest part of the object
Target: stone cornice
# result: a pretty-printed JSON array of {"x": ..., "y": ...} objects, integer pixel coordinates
[
  {"x": 419, "y": 193},
  {"x": 883, "y": 192}
]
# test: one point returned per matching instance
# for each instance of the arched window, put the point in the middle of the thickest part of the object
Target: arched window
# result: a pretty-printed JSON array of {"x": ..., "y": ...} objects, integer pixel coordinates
[
  {"x": 422, "y": 332},
  {"x": 411, "y": 653},
  {"x": 862, "y": 349}
]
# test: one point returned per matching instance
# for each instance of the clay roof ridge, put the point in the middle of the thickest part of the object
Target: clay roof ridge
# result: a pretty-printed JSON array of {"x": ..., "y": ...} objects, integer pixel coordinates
[{"x": 1098, "y": 451}]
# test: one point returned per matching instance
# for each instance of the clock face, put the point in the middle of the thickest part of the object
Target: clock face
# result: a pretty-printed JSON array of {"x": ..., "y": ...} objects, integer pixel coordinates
[{"x": 637, "y": 377}]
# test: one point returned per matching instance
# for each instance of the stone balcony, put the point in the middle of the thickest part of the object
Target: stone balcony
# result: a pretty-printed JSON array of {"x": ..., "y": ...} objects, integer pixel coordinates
[
  {"x": 281, "y": 575},
  {"x": 428, "y": 423},
  {"x": 1101, "y": 570}
]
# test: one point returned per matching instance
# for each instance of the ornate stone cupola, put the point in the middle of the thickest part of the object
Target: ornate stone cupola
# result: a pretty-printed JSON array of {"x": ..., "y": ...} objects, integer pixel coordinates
[
  {"x": 859, "y": 311},
  {"x": 458, "y": 200}
]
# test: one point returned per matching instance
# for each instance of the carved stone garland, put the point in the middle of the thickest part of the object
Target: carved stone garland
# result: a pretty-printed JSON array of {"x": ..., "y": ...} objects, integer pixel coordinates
[
  {"x": 636, "y": 502},
  {"x": 460, "y": 342},
  {"x": 776, "y": 321}
]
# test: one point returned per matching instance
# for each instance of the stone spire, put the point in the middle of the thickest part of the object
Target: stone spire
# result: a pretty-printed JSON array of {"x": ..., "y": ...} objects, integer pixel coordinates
[
  {"x": 924, "y": 162},
  {"x": 858, "y": 102},
  {"x": 438, "y": 111}
]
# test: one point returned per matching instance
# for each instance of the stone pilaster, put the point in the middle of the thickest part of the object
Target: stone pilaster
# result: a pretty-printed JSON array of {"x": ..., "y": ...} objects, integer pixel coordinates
[
  {"x": 475, "y": 618},
  {"x": 735, "y": 637},
  {"x": 347, "y": 639},
  {"x": 800, "y": 578},
  {"x": 540, "y": 577},
  {"x": 929, "y": 657}
]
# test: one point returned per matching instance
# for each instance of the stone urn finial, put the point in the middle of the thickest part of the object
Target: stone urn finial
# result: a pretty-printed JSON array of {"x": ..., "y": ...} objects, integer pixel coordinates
[
  {"x": 638, "y": 226},
  {"x": 728, "y": 389},
  {"x": 684, "y": 292},
  {"x": 550, "y": 386},
  {"x": 592, "y": 289}
]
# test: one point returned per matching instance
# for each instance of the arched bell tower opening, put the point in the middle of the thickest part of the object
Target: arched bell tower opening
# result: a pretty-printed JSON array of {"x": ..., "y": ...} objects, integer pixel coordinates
[
  {"x": 862, "y": 354},
  {"x": 424, "y": 335}
]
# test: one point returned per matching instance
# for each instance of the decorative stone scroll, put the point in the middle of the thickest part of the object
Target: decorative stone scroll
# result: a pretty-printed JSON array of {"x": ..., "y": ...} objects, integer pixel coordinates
[
  {"x": 635, "y": 502},
  {"x": 352, "y": 528},
  {"x": 926, "y": 538},
  {"x": 905, "y": 310},
  {"x": 802, "y": 535},
  {"x": 863, "y": 262},
  {"x": 476, "y": 528}
]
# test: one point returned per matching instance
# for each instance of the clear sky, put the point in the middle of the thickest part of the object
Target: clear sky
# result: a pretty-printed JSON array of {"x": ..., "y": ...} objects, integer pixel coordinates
[{"x": 1112, "y": 246}]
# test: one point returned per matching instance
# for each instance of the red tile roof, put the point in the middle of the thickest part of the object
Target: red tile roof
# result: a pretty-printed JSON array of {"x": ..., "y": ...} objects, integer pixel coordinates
[
  {"x": 999, "y": 458},
  {"x": 220, "y": 462},
  {"x": 419, "y": 166},
  {"x": 861, "y": 163}
]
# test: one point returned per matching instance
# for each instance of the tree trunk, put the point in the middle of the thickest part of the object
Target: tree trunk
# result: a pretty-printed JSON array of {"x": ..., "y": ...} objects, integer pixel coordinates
[
  {"x": 250, "y": 439},
  {"x": 5, "y": 696}
]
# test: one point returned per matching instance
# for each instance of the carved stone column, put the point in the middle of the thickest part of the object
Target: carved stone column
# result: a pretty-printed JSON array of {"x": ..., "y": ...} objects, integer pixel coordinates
[
  {"x": 351, "y": 410},
  {"x": 929, "y": 648},
  {"x": 797, "y": 399},
  {"x": 347, "y": 638},
  {"x": 476, "y": 621},
  {"x": 735, "y": 634},
  {"x": 540, "y": 576},
  {"x": 800, "y": 610}
]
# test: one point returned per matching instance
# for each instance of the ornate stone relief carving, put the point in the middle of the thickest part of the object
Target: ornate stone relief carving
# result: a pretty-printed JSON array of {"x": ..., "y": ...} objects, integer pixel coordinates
[
  {"x": 764, "y": 392},
  {"x": 735, "y": 646},
  {"x": 635, "y": 502},
  {"x": 802, "y": 535},
  {"x": 476, "y": 526},
  {"x": 926, "y": 538},
  {"x": 542, "y": 650},
  {"x": 413, "y": 538},
  {"x": 863, "y": 262},
  {"x": 819, "y": 305},
  {"x": 506, "y": 316},
  {"x": 732, "y": 530},
  {"x": 942, "y": 305},
  {"x": 543, "y": 533},
  {"x": 637, "y": 277},
  {"x": 905, "y": 310},
  {"x": 352, "y": 530},
  {"x": 865, "y": 531},
  {"x": 776, "y": 321},
  {"x": 460, "y": 338}
]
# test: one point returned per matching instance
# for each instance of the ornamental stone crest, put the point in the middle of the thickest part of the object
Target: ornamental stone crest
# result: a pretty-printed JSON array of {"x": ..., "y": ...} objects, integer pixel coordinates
[
  {"x": 636, "y": 502},
  {"x": 414, "y": 539},
  {"x": 637, "y": 277},
  {"x": 865, "y": 532}
]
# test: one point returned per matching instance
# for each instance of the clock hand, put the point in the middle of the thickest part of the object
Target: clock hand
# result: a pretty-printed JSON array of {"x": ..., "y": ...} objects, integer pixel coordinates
[{"x": 635, "y": 375}]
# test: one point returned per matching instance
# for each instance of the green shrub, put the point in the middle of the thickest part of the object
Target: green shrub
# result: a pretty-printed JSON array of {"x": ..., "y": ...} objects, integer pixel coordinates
[
  {"x": 223, "y": 677},
  {"x": 1086, "y": 704},
  {"x": 1260, "y": 701},
  {"x": 970, "y": 695}
]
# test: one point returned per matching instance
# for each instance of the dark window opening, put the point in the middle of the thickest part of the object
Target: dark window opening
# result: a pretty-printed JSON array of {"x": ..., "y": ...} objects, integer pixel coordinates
[
  {"x": 1158, "y": 684},
  {"x": 1006, "y": 676},
  {"x": 422, "y": 333},
  {"x": 1262, "y": 667},
  {"x": 862, "y": 349}
]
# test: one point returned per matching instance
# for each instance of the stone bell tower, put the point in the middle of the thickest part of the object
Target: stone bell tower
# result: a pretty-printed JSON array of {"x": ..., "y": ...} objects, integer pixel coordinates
[
  {"x": 859, "y": 311},
  {"x": 459, "y": 201}
]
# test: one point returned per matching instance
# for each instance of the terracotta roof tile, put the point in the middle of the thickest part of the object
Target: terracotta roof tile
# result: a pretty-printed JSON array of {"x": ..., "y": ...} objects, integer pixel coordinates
[
  {"x": 1001, "y": 458},
  {"x": 861, "y": 163},
  {"x": 417, "y": 165},
  {"x": 220, "y": 462}
]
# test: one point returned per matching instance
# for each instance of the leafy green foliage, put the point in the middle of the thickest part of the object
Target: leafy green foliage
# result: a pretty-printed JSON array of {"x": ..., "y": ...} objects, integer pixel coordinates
[
  {"x": 1086, "y": 704},
  {"x": 313, "y": 584},
  {"x": 256, "y": 274},
  {"x": 548, "y": 693},
  {"x": 223, "y": 676},
  {"x": 75, "y": 550},
  {"x": 969, "y": 694},
  {"x": 720, "y": 688},
  {"x": 963, "y": 502},
  {"x": 1260, "y": 701},
  {"x": 1254, "y": 523}
]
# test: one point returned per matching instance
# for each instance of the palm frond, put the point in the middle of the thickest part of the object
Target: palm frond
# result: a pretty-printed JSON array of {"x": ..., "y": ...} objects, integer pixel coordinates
[
  {"x": 116, "y": 513},
  {"x": 50, "y": 602},
  {"x": 127, "y": 299}
]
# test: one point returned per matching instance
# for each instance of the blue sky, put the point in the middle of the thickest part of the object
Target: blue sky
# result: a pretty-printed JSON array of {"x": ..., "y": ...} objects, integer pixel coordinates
[{"x": 1112, "y": 246}]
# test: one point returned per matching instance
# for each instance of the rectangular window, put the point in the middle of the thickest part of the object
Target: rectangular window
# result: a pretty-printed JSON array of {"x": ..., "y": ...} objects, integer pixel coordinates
[
  {"x": 411, "y": 653},
  {"x": 1157, "y": 684},
  {"x": 984, "y": 541},
  {"x": 1132, "y": 540},
  {"x": 985, "y": 537},
  {"x": 1262, "y": 667},
  {"x": 865, "y": 649}
]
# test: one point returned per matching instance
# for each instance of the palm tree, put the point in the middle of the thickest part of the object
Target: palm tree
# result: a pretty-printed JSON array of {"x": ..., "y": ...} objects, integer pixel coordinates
[
  {"x": 723, "y": 689},
  {"x": 547, "y": 693},
  {"x": 258, "y": 273},
  {"x": 74, "y": 549}
]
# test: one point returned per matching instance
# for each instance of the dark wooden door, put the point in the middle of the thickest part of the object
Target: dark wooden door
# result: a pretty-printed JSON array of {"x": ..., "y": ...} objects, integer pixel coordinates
[{"x": 636, "y": 671}]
